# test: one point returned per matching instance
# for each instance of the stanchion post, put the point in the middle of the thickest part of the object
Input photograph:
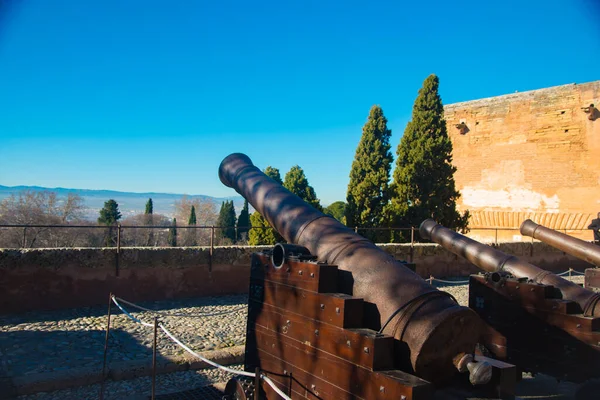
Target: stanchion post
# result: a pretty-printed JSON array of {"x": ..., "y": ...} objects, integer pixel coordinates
[
  {"x": 106, "y": 346},
  {"x": 496, "y": 238},
  {"x": 154, "y": 358}
]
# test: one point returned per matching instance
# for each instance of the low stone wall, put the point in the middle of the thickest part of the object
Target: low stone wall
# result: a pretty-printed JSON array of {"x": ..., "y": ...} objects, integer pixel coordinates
[{"x": 43, "y": 279}]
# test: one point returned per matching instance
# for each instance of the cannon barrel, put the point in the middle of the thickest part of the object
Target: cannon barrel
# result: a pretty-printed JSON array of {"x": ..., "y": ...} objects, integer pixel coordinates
[
  {"x": 436, "y": 331},
  {"x": 490, "y": 260},
  {"x": 576, "y": 247}
]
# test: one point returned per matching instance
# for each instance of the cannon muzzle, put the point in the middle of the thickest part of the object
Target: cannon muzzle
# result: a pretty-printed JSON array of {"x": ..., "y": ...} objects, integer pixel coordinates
[
  {"x": 491, "y": 260},
  {"x": 434, "y": 328},
  {"x": 581, "y": 249}
]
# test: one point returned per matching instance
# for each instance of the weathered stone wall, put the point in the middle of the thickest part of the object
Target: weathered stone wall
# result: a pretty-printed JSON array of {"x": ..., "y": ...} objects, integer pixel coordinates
[
  {"x": 529, "y": 155},
  {"x": 61, "y": 278}
]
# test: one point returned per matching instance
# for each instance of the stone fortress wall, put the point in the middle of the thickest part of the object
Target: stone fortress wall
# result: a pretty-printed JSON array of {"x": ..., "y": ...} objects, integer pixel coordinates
[{"x": 533, "y": 154}]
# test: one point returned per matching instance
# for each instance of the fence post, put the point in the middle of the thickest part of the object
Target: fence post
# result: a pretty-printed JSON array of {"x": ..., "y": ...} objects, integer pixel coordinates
[
  {"x": 212, "y": 247},
  {"x": 154, "y": 358},
  {"x": 25, "y": 237},
  {"x": 106, "y": 347},
  {"x": 118, "y": 255},
  {"x": 412, "y": 243}
]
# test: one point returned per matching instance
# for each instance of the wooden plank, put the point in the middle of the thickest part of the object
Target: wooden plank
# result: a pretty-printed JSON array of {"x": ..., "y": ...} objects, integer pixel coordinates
[
  {"x": 337, "y": 309},
  {"x": 336, "y": 371},
  {"x": 364, "y": 347},
  {"x": 308, "y": 275}
]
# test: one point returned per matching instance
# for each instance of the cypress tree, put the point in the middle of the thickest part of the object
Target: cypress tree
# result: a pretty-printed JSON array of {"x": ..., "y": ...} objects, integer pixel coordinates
[
  {"x": 148, "y": 221},
  {"x": 192, "y": 219},
  {"x": 368, "y": 191},
  {"x": 423, "y": 185},
  {"x": 149, "y": 207},
  {"x": 191, "y": 234},
  {"x": 295, "y": 181},
  {"x": 226, "y": 221},
  {"x": 172, "y": 239},
  {"x": 243, "y": 222},
  {"x": 263, "y": 232}
]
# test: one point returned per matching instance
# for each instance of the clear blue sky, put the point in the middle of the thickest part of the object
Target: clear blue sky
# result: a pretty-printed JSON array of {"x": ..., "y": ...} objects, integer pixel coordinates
[{"x": 151, "y": 95}]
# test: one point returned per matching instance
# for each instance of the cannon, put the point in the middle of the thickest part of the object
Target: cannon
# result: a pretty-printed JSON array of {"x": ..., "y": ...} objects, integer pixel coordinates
[
  {"x": 581, "y": 249},
  {"x": 539, "y": 321},
  {"x": 586, "y": 251},
  {"x": 330, "y": 294}
]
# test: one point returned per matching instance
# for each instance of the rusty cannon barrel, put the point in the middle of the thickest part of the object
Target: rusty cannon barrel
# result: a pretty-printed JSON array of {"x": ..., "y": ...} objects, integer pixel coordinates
[
  {"x": 437, "y": 332},
  {"x": 581, "y": 249},
  {"x": 491, "y": 260}
]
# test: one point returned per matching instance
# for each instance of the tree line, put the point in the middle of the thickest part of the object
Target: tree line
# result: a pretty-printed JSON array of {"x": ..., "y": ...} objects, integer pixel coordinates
[{"x": 422, "y": 186}]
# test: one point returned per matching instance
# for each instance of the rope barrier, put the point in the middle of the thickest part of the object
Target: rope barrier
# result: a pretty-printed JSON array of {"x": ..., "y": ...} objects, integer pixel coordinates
[
  {"x": 192, "y": 352},
  {"x": 167, "y": 314},
  {"x": 129, "y": 315}
]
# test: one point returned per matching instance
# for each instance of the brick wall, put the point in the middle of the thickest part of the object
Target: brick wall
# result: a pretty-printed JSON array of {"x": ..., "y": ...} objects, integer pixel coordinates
[{"x": 529, "y": 155}]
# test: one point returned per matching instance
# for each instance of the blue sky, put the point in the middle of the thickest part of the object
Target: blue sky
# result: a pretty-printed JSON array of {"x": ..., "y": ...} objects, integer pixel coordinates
[{"x": 150, "y": 95}]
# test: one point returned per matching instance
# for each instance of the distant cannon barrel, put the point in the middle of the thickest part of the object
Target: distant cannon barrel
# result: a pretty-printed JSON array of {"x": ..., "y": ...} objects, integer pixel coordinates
[
  {"x": 436, "y": 330},
  {"x": 576, "y": 247},
  {"x": 490, "y": 260}
]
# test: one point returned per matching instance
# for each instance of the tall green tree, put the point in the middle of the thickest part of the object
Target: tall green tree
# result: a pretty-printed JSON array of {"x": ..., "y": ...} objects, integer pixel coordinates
[
  {"x": 172, "y": 239},
  {"x": 423, "y": 185},
  {"x": 368, "y": 191},
  {"x": 243, "y": 222},
  {"x": 149, "y": 207},
  {"x": 295, "y": 181},
  {"x": 148, "y": 220},
  {"x": 191, "y": 233},
  {"x": 262, "y": 233},
  {"x": 109, "y": 214},
  {"x": 226, "y": 221},
  {"x": 336, "y": 210}
]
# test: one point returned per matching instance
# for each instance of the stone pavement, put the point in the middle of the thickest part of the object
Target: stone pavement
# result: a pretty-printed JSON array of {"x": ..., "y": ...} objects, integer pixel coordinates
[{"x": 38, "y": 346}]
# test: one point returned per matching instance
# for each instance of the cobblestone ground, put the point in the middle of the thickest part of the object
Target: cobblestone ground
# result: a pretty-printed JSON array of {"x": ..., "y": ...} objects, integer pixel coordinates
[
  {"x": 50, "y": 341},
  {"x": 41, "y": 342}
]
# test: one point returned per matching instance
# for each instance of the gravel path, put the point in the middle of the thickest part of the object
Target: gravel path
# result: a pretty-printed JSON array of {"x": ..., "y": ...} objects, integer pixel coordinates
[{"x": 41, "y": 342}]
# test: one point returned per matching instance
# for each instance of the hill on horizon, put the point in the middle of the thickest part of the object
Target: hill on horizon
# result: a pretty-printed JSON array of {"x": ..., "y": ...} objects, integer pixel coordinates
[{"x": 130, "y": 203}]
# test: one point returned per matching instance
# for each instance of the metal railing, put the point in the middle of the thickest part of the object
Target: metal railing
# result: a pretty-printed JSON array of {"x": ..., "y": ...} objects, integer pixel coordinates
[{"x": 116, "y": 236}]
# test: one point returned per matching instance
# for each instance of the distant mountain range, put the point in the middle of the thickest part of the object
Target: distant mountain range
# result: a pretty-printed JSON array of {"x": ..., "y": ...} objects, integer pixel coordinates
[{"x": 129, "y": 203}]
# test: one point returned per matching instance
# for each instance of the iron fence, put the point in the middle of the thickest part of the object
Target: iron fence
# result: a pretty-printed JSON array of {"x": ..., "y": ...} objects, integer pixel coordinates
[{"x": 18, "y": 236}]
